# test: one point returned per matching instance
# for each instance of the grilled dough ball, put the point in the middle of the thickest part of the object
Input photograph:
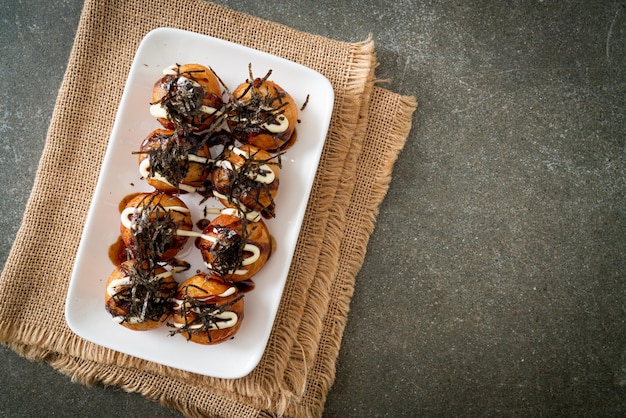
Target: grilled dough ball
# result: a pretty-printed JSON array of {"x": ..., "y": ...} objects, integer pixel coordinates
[
  {"x": 153, "y": 226},
  {"x": 262, "y": 114},
  {"x": 187, "y": 97},
  {"x": 173, "y": 163},
  {"x": 139, "y": 298},
  {"x": 207, "y": 310},
  {"x": 247, "y": 178},
  {"x": 233, "y": 248}
]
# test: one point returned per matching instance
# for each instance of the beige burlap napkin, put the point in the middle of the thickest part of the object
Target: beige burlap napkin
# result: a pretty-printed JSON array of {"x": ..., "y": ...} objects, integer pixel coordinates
[{"x": 368, "y": 128}]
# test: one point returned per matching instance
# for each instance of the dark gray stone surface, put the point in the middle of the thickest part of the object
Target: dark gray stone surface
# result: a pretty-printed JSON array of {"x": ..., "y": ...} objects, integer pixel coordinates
[{"x": 494, "y": 283}]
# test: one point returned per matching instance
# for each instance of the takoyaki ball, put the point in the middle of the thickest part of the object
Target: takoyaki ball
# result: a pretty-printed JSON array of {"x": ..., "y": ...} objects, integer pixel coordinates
[
  {"x": 173, "y": 163},
  {"x": 233, "y": 248},
  {"x": 139, "y": 298},
  {"x": 155, "y": 226},
  {"x": 207, "y": 310},
  {"x": 187, "y": 97},
  {"x": 262, "y": 114},
  {"x": 247, "y": 178}
]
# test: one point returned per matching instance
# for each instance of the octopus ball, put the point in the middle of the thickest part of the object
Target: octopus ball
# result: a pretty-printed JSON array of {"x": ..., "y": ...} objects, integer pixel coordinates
[
  {"x": 173, "y": 163},
  {"x": 247, "y": 178},
  {"x": 234, "y": 248},
  {"x": 207, "y": 310},
  {"x": 154, "y": 226},
  {"x": 188, "y": 96},
  {"x": 263, "y": 114},
  {"x": 139, "y": 298}
]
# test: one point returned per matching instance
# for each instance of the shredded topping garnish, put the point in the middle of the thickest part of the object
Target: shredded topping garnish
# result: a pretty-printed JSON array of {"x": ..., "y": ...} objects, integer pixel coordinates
[
  {"x": 183, "y": 100},
  {"x": 258, "y": 112},
  {"x": 203, "y": 314},
  {"x": 229, "y": 248},
  {"x": 169, "y": 155},
  {"x": 145, "y": 297},
  {"x": 243, "y": 185}
]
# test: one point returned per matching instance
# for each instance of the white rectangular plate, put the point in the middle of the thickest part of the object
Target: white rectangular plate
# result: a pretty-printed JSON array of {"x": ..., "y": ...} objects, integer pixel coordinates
[{"x": 84, "y": 311}]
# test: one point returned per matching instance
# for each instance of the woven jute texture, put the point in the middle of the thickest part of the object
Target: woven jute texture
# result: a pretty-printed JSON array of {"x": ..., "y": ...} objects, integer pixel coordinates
[{"x": 369, "y": 127}]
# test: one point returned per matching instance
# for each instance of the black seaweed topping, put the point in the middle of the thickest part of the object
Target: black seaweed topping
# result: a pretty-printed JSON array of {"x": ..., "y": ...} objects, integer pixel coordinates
[
  {"x": 247, "y": 116},
  {"x": 183, "y": 99},
  {"x": 205, "y": 312},
  {"x": 241, "y": 181},
  {"x": 153, "y": 230},
  {"x": 228, "y": 248},
  {"x": 306, "y": 102},
  {"x": 170, "y": 157},
  {"x": 147, "y": 297}
]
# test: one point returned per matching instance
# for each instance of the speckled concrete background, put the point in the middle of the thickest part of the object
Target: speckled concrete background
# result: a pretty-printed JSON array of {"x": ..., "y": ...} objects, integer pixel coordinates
[{"x": 495, "y": 281}]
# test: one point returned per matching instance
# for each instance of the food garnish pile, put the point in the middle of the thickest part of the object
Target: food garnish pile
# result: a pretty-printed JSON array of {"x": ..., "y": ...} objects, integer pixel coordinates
[{"x": 216, "y": 144}]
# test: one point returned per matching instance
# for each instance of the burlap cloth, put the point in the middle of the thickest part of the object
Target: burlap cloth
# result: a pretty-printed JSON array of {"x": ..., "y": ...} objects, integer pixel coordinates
[{"x": 368, "y": 129}]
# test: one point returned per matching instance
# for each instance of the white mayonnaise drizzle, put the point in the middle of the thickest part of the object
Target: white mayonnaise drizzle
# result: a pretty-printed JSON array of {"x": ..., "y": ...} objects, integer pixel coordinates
[
  {"x": 266, "y": 178},
  {"x": 230, "y": 291},
  {"x": 282, "y": 126},
  {"x": 230, "y": 320},
  {"x": 126, "y": 213},
  {"x": 251, "y": 215},
  {"x": 171, "y": 70},
  {"x": 124, "y": 281},
  {"x": 276, "y": 128},
  {"x": 256, "y": 251},
  {"x": 144, "y": 170},
  {"x": 130, "y": 319},
  {"x": 159, "y": 111}
]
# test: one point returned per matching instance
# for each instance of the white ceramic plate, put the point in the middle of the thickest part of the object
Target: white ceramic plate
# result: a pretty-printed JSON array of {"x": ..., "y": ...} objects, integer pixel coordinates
[{"x": 84, "y": 311}]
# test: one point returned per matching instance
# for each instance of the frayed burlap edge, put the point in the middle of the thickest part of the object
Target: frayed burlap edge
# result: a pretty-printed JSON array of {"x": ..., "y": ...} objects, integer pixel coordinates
[
  {"x": 149, "y": 385},
  {"x": 333, "y": 205},
  {"x": 310, "y": 330},
  {"x": 360, "y": 220}
]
